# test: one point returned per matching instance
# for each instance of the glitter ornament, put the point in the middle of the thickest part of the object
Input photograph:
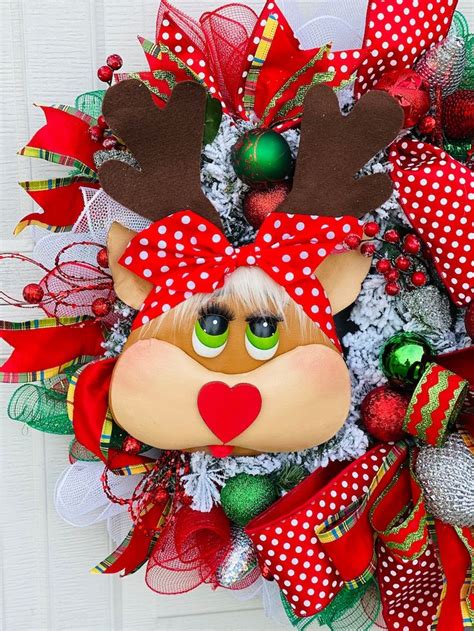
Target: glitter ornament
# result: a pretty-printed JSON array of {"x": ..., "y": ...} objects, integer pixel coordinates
[
  {"x": 261, "y": 156},
  {"x": 429, "y": 306},
  {"x": 241, "y": 559},
  {"x": 446, "y": 474},
  {"x": 383, "y": 411},
  {"x": 244, "y": 496},
  {"x": 469, "y": 320},
  {"x": 103, "y": 257},
  {"x": 260, "y": 203},
  {"x": 458, "y": 115},
  {"x": 101, "y": 307},
  {"x": 404, "y": 357},
  {"x": 442, "y": 66},
  {"x": 33, "y": 293},
  {"x": 427, "y": 125},
  {"x": 409, "y": 89}
]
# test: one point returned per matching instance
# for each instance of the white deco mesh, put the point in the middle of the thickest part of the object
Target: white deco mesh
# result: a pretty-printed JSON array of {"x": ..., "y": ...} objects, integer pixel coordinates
[{"x": 341, "y": 22}]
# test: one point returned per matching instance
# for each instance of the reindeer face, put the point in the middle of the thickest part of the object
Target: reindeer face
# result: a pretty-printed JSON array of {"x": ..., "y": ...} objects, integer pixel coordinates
[{"x": 234, "y": 349}]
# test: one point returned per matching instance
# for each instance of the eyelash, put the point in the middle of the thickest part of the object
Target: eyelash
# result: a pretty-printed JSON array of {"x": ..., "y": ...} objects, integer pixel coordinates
[
  {"x": 267, "y": 316},
  {"x": 214, "y": 308}
]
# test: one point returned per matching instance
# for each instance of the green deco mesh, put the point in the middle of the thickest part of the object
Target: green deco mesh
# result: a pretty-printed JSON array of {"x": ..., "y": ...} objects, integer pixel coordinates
[
  {"x": 43, "y": 406},
  {"x": 352, "y": 609},
  {"x": 90, "y": 103}
]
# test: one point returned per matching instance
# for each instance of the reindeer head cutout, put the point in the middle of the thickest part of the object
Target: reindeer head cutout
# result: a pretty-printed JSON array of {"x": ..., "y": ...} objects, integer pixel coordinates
[{"x": 234, "y": 349}]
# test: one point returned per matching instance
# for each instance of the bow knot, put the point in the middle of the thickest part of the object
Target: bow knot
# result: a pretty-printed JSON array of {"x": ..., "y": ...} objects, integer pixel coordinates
[{"x": 184, "y": 254}]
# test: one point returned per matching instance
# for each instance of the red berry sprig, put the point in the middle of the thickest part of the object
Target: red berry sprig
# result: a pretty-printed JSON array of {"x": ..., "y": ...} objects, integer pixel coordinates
[
  {"x": 105, "y": 73},
  {"x": 403, "y": 268}
]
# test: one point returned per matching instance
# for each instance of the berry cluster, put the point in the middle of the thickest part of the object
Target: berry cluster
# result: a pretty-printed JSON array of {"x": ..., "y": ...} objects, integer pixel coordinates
[
  {"x": 397, "y": 270},
  {"x": 101, "y": 132}
]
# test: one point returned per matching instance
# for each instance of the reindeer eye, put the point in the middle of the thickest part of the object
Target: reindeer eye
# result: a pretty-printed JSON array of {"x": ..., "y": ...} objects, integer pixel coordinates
[
  {"x": 262, "y": 337},
  {"x": 210, "y": 335}
]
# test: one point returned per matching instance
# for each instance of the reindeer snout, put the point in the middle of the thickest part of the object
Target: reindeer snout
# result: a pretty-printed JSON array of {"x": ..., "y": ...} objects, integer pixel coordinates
[{"x": 228, "y": 411}]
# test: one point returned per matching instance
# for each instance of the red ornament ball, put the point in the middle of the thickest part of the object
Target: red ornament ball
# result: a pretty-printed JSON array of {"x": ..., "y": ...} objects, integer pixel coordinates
[
  {"x": 383, "y": 266},
  {"x": 368, "y": 249},
  {"x": 33, "y": 293},
  {"x": 411, "y": 244},
  {"x": 109, "y": 143},
  {"x": 103, "y": 257},
  {"x": 114, "y": 61},
  {"x": 410, "y": 90},
  {"x": 101, "y": 307},
  {"x": 96, "y": 133},
  {"x": 352, "y": 241},
  {"x": 383, "y": 411},
  {"x": 418, "y": 279},
  {"x": 260, "y": 203},
  {"x": 469, "y": 320},
  {"x": 458, "y": 115},
  {"x": 403, "y": 263},
  {"x": 392, "y": 288},
  {"x": 131, "y": 445},
  {"x": 105, "y": 74},
  {"x": 392, "y": 275},
  {"x": 391, "y": 236},
  {"x": 371, "y": 228},
  {"x": 427, "y": 125}
]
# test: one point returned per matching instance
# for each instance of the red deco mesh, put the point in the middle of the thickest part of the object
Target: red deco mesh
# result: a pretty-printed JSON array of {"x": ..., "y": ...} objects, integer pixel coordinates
[
  {"x": 222, "y": 36},
  {"x": 189, "y": 551}
]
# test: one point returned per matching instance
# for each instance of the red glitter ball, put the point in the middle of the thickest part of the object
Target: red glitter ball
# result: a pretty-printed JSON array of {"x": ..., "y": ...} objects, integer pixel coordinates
[
  {"x": 392, "y": 289},
  {"x": 403, "y": 263},
  {"x": 114, "y": 61},
  {"x": 101, "y": 307},
  {"x": 367, "y": 249},
  {"x": 109, "y": 143},
  {"x": 260, "y": 203},
  {"x": 458, "y": 115},
  {"x": 410, "y": 90},
  {"x": 383, "y": 266},
  {"x": 131, "y": 445},
  {"x": 105, "y": 74},
  {"x": 352, "y": 241},
  {"x": 103, "y": 257},
  {"x": 96, "y": 133},
  {"x": 383, "y": 411},
  {"x": 392, "y": 275},
  {"x": 33, "y": 293},
  {"x": 391, "y": 236},
  {"x": 427, "y": 124},
  {"x": 411, "y": 244},
  {"x": 418, "y": 279},
  {"x": 371, "y": 228}
]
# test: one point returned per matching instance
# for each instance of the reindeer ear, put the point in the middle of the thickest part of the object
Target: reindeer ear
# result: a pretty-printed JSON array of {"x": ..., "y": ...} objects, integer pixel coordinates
[
  {"x": 342, "y": 275},
  {"x": 129, "y": 287}
]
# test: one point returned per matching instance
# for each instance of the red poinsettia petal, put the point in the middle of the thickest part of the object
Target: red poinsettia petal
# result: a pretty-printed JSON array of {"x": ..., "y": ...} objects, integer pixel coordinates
[
  {"x": 66, "y": 136},
  {"x": 398, "y": 33},
  {"x": 61, "y": 200}
]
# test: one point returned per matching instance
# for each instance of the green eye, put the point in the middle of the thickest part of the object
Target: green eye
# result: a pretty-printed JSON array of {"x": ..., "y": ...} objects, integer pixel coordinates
[
  {"x": 262, "y": 337},
  {"x": 210, "y": 335}
]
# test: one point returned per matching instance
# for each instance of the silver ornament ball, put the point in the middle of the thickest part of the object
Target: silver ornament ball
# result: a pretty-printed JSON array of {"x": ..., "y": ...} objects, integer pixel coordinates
[{"x": 446, "y": 476}]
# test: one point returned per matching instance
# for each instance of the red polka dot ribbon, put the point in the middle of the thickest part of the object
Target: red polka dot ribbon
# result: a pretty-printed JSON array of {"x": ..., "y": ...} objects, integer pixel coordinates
[
  {"x": 184, "y": 254},
  {"x": 345, "y": 526},
  {"x": 437, "y": 195},
  {"x": 398, "y": 32}
]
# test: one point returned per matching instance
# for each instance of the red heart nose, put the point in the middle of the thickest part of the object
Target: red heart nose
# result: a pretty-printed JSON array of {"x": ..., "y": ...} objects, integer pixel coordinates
[{"x": 228, "y": 411}]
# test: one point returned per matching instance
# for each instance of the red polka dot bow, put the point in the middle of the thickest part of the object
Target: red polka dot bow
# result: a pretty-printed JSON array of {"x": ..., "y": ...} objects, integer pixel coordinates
[
  {"x": 437, "y": 195},
  {"x": 184, "y": 254}
]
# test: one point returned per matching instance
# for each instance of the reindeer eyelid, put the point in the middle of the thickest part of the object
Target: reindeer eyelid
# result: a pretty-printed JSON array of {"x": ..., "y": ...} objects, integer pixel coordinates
[{"x": 214, "y": 308}]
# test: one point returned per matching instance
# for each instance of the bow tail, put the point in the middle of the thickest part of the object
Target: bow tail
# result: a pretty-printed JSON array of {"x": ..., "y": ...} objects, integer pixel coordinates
[
  {"x": 138, "y": 545},
  {"x": 456, "y": 549}
]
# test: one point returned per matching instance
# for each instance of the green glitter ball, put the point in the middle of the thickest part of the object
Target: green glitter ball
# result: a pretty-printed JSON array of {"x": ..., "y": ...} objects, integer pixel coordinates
[
  {"x": 403, "y": 358},
  {"x": 245, "y": 496},
  {"x": 262, "y": 156}
]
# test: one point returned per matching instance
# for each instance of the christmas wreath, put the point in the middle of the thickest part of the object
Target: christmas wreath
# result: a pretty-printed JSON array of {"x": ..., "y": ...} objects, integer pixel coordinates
[{"x": 232, "y": 419}]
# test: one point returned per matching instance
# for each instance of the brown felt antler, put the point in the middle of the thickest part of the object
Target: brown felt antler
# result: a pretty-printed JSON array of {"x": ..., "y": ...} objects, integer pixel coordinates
[
  {"x": 333, "y": 148},
  {"x": 167, "y": 145}
]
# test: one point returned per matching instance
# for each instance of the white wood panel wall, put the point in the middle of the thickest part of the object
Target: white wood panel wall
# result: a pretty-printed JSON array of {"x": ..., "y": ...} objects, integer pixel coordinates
[{"x": 50, "y": 50}]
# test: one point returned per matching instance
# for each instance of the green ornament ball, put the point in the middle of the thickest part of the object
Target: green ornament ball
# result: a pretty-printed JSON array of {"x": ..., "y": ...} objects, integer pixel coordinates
[
  {"x": 244, "y": 496},
  {"x": 262, "y": 156},
  {"x": 404, "y": 357}
]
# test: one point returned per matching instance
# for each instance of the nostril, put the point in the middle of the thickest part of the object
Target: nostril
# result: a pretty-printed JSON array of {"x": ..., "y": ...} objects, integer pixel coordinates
[{"x": 228, "y": 411}]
